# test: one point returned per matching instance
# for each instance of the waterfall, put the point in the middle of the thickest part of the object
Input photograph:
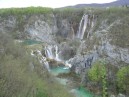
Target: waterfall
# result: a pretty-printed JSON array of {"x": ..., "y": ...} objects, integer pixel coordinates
[
  {"x": 41, "y": 58},
  {"x": 52, "y": 52},
  {"x": 48, "y": 52},
  {"x": 68, "y": 64},
  {"x": 82, "y": 26},
  {"x": 91, "y": 26},
  {"x": 57, "y": 54},
  {"x": 46, "y": 63},
  {"x": 86, "y": 25},
  {"x": 32, "y": 53},
  {"x": 93, "y": 21}
]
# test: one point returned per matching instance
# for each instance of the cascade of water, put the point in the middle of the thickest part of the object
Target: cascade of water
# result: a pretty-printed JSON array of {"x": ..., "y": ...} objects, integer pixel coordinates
[
  {"x": 82, "y": 26},
  {"x": 91, "y": 26},
  {"x": 41, "y": 58},
  {"x": 93, "y": 20},
  {"x": 89, "y": 22},
  {"x": 57, "y": 54},
  {"x": 46, "y": 63},
  {"x": 52, "y": 52},
  {"x": 32, "y": 53},
  {"x": 54, "y": 55},
  {"x": 68, "y": 64},
  {"x": 49, "y": 52}
]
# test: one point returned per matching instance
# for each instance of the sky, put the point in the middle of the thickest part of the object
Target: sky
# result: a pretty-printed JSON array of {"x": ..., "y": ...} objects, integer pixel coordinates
[{"x": 47, "y": 3}]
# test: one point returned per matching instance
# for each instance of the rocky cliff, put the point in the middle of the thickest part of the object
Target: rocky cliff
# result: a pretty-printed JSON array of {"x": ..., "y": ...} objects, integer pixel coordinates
[
  {"x": 103, "y": 33},
  {"x": 76, "y": 37},
  {"x": 44, "y": 27}
]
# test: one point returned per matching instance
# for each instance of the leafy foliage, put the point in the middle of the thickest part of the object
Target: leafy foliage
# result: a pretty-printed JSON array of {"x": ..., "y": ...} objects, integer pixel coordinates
[
  {"x": 98, "y": 74},
  {"x": 97, "y": 71},
  {"x": 123, "y": 79},
  {"x": 22, "y": 11}
]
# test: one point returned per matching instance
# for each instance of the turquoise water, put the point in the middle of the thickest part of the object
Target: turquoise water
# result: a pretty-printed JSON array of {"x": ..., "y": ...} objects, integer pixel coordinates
[
  {"x": 82, "y": 92},
  {"x": 58, "y": 70},
  {"x": 78, "y": 92},
  {"x": 30, "y": 42}
]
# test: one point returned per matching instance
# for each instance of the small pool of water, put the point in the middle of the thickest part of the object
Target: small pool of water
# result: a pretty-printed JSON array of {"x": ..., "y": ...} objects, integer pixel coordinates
[
  {"x": 78, "y": 92},
  {"x": 58, "y": 70},
  {"x": 81, "y": 92}
]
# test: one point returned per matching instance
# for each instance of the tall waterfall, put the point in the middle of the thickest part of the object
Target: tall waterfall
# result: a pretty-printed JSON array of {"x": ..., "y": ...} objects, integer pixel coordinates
[
  {"x": 86, "y": 25},
  {"x": 91, "y": 24},
  {"x": 82, "y": 26}
]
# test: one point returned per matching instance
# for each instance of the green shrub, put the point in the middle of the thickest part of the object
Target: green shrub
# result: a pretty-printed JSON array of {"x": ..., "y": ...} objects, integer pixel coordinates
[
  {"x": 98, "y": 74},
  {"x": 123, "y": 79},
  {"x": 97, "y": 71},
  {"x": 41, "y": 94}
]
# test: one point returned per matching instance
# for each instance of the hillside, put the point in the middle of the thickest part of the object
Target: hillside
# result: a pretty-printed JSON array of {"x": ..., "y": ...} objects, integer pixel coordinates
[
  {"x": 92, "y": 43},
  {"x": 116, "y": 3}
]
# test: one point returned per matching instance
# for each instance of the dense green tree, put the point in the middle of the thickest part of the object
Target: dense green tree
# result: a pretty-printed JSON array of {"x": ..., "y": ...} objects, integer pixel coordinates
[{"x": 98, "y": 73}]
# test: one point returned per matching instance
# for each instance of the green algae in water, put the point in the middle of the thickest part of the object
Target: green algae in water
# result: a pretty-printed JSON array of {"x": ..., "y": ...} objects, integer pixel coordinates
[
  {"x": 31, "y": 42},
  {"x": 58, "y": 70}
]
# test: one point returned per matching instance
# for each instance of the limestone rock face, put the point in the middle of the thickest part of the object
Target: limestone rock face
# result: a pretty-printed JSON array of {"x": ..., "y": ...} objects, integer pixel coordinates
[
  {"x": 65, "y": 28},
  {"x": 95, "y": 44},
  {"x": 43, "y": 27},
  {"x": 82, "y": 62},
  {"x": 40, "y": 29},
  {"x": 8, "y": 24}
]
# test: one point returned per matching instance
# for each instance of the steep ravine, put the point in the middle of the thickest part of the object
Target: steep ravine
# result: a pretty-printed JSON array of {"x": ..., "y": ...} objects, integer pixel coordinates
[
  {"x": 62, "y": 68},
  {"x": 76, "y": 39}
]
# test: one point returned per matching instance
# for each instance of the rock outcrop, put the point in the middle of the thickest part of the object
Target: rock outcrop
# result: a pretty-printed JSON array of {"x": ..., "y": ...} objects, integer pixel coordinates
[
  {"x": 43, "y": 27},
  {"x": 94, "y": 34}
]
